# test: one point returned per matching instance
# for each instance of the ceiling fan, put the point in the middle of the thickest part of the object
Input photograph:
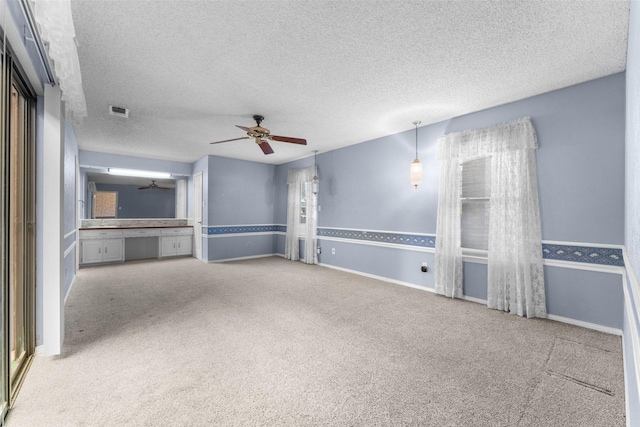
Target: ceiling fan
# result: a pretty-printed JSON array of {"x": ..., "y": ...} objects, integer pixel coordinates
[
  {"x": 260, "y": 135},
  {"x": 153, "y": 186}
]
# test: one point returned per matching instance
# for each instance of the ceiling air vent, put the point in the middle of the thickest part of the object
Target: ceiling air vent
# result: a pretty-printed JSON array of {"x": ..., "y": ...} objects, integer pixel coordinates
[{"x": 119, "y": 111}]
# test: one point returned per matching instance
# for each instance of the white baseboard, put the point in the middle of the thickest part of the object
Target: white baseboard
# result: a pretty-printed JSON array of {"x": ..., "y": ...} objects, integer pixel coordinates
[
  {"x": 587, "y": 325},
  {"x": 39, "y": 350},
  {"x": 561, "y": 319},
  {"x": 632, "y": 308},
  {"x": 382, "y": 278},
  {"x": 473, "y": 299},
  {"x": 241, "y": 258}
]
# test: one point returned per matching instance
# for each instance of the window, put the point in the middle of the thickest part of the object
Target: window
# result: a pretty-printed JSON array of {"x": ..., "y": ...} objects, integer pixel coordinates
[
  {"x": 475, "y": 196},
  {"x": 302, "y": 217},
  {"x": 303, "y": 208},
  {"x": 105, "y": 204},
  {"x": 303, "y": 204}
]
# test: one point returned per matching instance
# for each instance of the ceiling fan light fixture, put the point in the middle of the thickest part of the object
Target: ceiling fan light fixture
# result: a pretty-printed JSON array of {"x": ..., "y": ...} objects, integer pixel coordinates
[
  {"x": 140, "y": 173},
  {"x": 416, "y": 166}
]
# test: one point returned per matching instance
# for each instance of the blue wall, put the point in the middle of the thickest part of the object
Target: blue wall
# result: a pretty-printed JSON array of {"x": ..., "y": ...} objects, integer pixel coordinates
[
  {"x": 580, "y": 158},
  {"x": 580, "y": 129},
  {"x": 240, "y": 193},
  {"x": 135, "y": 203}
]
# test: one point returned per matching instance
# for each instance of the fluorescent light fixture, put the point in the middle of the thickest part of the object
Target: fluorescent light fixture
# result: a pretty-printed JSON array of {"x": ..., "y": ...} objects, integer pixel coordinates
[{"x": 136, "y": 172}]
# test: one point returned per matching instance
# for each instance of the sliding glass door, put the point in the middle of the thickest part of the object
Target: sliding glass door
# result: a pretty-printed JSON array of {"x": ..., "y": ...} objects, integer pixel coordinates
[
  {"x": 21, "y": 235},
  {"x": 17, "y": 295}
]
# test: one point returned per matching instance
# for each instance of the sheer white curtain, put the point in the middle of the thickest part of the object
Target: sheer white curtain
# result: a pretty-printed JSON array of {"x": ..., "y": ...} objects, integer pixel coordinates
[
  {"x": 515, "y": 276},
  {"x": 448, "y": 258},
  {"x": 56, "y": 28},
  {"x": 296, "y": 180},
  {"x": 311, "y": 235},
  {"x": 516, "y": 279}
]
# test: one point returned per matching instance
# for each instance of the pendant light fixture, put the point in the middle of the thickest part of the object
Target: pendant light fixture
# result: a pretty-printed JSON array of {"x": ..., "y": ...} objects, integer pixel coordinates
[
  {"x": 315, "y": 183},
  {"x": 416, "y": 166}
]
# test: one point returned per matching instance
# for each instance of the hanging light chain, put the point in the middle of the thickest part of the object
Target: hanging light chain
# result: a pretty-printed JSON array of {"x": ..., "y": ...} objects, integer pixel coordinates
[{"x": 416, "y": 123}]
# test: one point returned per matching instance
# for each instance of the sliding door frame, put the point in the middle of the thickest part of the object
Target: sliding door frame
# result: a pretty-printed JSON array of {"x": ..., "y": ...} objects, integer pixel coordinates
[{"x": 12, "y": 77}]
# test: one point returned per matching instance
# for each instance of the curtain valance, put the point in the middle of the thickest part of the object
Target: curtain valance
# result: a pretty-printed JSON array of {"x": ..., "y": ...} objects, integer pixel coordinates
[
  {"x": 511, "y": 136},
  {"x": 296, "y": 176}
]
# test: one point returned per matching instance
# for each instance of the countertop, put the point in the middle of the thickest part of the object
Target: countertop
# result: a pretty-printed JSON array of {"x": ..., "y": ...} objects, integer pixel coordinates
[{"x": 117, "y": 227}]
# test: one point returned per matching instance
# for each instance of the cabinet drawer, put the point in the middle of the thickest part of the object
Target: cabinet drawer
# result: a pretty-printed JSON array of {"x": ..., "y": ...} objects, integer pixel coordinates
[
  {"x": 178, "y": 231},
  {"x": 100, "y": 234},
  {"x": 141, "y": 232}
]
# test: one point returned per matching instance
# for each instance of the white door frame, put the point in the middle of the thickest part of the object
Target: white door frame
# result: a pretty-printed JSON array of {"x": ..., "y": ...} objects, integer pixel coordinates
[{"x": 197, "y": 214}]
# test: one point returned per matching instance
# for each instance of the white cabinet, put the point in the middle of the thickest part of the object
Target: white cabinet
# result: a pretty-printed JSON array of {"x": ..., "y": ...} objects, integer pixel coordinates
[
  {"x": 175, "y": 246},
  {"x": 102, "y": 250},
  {"x": 102, "y": 245},
  {"x": 185, "y": 245}
]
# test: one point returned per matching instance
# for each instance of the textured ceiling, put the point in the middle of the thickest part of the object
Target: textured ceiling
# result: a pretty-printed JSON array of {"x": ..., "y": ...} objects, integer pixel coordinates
[{"x": 335, "y": 73}]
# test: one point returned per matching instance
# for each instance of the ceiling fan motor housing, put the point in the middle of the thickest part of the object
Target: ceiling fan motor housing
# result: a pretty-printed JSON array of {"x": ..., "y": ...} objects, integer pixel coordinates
[{"x": 259, "y": 132}]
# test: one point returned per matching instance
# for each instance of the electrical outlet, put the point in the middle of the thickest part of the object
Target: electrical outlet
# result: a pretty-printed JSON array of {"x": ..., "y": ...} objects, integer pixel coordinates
[
  {"x": 424, "y": 267},
  {"x": 333, "y": 251},
  {"x": 319, "y": 250}
]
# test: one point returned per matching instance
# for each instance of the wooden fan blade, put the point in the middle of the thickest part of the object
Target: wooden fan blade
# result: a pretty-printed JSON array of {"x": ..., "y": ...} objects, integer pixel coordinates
[
  {"x": 163, "y": 188},
  {"x": 144, "y": 188},
  {"x": 288, "y": 139},
  {"x": 266, "y": 148},
  {"x": 227, "y": 140},
  {"x": 243, "y": 128}
]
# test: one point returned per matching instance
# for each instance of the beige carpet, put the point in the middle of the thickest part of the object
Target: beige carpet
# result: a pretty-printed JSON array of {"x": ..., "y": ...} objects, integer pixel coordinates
[{"x": 269, "y": 342}]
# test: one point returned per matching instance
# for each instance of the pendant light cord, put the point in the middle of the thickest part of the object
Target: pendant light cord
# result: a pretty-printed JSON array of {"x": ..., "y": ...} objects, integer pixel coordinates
[{"x": 416, "y": 123}]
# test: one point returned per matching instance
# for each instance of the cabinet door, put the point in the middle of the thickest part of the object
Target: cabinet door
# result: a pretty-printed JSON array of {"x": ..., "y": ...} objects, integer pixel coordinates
[
  {"x": 185, "y": 245},
  {"x": 168, "y": 246},
  {"x": 113, "y": 250},
  {"x": 91, "y": 251}
]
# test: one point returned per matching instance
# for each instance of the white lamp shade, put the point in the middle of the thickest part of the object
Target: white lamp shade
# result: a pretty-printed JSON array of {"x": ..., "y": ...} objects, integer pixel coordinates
[{"x": 416, "y": 173}]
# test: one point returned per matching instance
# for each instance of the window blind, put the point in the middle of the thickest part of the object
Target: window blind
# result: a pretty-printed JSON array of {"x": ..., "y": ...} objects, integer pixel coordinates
[{"x": 476, "y": 190}]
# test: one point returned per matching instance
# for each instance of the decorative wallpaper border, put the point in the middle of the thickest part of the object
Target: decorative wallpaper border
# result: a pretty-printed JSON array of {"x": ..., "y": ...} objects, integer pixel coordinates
[
  {"x": 241, "y": 229},
  {"x": 381, "y": 237},
  {"x": 571, "y": 253},
  {"x": 560, "y": 252},
  {"x": 585, "y": 254}
]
